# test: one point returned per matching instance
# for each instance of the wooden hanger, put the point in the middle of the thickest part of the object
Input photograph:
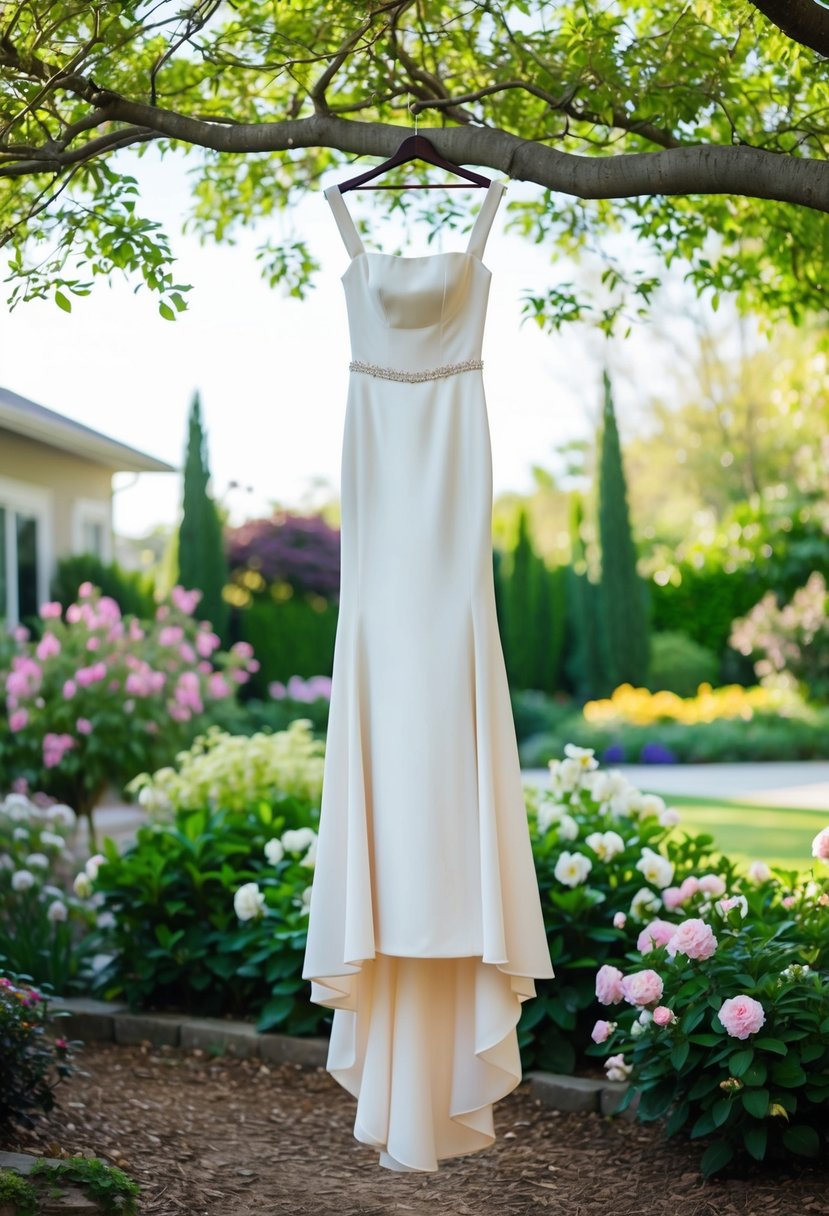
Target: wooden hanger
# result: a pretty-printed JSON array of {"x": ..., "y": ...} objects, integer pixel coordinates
[{"x": 416, "y": 147}]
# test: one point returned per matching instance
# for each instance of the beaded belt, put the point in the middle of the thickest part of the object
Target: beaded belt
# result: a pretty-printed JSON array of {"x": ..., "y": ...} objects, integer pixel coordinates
[{"x": 435, "y": 373}]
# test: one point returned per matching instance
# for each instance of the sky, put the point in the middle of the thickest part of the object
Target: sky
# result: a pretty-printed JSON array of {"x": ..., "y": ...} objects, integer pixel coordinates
[{"x": 272, "y": 371}]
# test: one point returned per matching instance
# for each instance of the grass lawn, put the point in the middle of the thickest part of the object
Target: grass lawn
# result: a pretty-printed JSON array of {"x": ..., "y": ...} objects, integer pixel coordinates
[{"x": 777, "y": 835}]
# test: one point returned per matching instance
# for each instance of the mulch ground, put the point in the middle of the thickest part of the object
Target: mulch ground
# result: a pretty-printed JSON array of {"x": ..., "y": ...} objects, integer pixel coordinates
[{"x": 216, "y": 1136}]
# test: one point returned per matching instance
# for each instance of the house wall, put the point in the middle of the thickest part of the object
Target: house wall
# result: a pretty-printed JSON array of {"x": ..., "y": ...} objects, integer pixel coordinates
[{"x": 76, "y": 488}]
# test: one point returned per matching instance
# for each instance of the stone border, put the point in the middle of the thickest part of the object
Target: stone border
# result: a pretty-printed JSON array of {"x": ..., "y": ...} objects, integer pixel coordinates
[{"x": 111, "y": 1021}]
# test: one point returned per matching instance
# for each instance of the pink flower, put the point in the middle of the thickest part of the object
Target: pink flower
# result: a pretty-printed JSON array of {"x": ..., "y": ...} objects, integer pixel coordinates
[
  {"x": 206, "y": 643},
  {"x": 663, "y": 1016},
  {"x": 55, "y": 747},
  {"x": 642, "y": 987},
  {"x": 712, "y": 884},
  {"x": 47, "y": 647},
  {"x": 162, "y": 612},
  {"x": 18, "y": 719},
  {"x": 69, "y": 690},
  {"x": 217, "y": 686},
  {"x": 20, "y": 633},
  {"x": 50, "y": 610},
  {"x": 619, "y": 920},
  {"x": 609, "y": 985},
  {"x": 93, "y": 643},
  {"x": 83, "y": 726},
  {"x": 187, "y": 652},
  {"x": 170, "y": 635},
  {"x": 185, "y": 601},
  {"x": 657, "y": 933},
  {"x": 277, "y": 690},
  {"x": 758, "y": 871},
  {"x": 789, "y": 901},
  {"x": 91, "y": 675},
  {"x": 85, "y": 590},
  {"x": 244, "y": 649},
  {"x": 688, "y": 888},
  {"x": 671, "y": 898},
  {"x": 602, "y": 1031},
  {"x": 820, "y": 845},
  {"x": 741, "y": 1016},
  {"x": 694, "y": 938}
]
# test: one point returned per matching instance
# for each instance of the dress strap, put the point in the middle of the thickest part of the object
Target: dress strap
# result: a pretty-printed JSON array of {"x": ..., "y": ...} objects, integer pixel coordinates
[
  {"x": 345, "y": 223},
  {"x": 484, "y": 218}
]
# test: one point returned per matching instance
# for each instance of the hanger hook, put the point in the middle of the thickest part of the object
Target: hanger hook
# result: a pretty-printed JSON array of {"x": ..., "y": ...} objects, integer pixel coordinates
[{"x": 414, "y": 115}]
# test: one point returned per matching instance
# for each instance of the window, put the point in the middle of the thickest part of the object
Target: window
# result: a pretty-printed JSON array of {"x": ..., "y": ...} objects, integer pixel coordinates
[
  {"x": 25, "y": 550},
  {"x": 91, "y": 529}
]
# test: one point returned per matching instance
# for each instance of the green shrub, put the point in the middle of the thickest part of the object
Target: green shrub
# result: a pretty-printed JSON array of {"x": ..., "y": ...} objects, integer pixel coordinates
[
  {"x": 132, "y": 590},
  {"x": 113, "y": 1191},
  {"x": 534, "y": 712},
  {"x": 728, "y": 1034},
  {"x": 31, "y": 1064},
  {"x": 679, "y": 664},
  {"x": 289, "y": 637}
]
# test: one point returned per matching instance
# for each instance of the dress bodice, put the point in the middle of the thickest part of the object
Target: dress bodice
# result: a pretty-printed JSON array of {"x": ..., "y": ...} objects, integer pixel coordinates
[{"x": 413, "y": 312}]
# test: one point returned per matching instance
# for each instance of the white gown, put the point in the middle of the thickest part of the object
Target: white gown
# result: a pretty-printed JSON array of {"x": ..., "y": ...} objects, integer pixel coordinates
[{"x": 425, "y": 931}]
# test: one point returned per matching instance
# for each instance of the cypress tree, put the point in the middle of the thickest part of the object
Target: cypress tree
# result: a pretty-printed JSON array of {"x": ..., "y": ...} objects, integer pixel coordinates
[
  {"x": 623, "y": 604},
  {"x": 586, "y": 656},
  {"x": 521, "y": 635},
  {"x": 202, "y": 562}
]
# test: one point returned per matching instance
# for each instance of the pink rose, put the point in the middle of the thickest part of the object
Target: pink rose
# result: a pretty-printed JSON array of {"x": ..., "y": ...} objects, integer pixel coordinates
[
  {"x": 51, "y": 609},
  {"x": 54, "y": 748},
  {"x": 688, "y": 888},
  {"x": 758, "y": 871},
  {"x": 69, "y": 690},
  {"x": 619, "y": 920},
  {"x": 602, "y": 1031},
  {"x": 671, "y": 898},
  {"x": 609, "y": 985},
  {"x": 788, "y": 901},
  {"x": 83, "y": 726},
  {"x": 642, "y": 987},
  {"x": 820, "y": 845},
  {"x": 663, "y": 1016},
  {"x": 206, "y": 643},
  {"x": 694, "y": 938},
  {"x": 18, "y": 719},
  {"x": 741, "y": 1016},
  {"x": 185, "y": 601},
  {"x": 47, "y": 647},
  {"x": 85, "y": 590},
  {"x": 712, "y": 884},
  {"x": 657, "y": 933}
]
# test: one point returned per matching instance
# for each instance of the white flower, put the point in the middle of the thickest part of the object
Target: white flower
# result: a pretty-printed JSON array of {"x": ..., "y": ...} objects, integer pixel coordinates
[
  {"x": 49, "y": 888},
  {"x": 57, "y": 910},
  {"x": 655, "y": 868},
  {"x": 644, "y": 904},
  {"x": 724, "y": 906},
  {"x": 645, "y": 1016},
  {"x": 636, "y": 1029},
  {"x": 38, "y": 861},
  {"x": 566, "y": 777},
  {"x": 669, "y": 818},
  {"x": 106, "y": 920},
  {"x": 20, "y": 834},
  {"x": 6, "y": 861},
  {"x": 758, "y": 871},
  {"x": 249, "y": 902},
  {"x": 547, "y": 814},
  {"x": 51, "y": 839},
  {"x": 296, "y": 840},
  {"x": 617, "y": 1069},
  {"x": 606, "y": 845},
  {"x": 274, "y": 851},
  {"x": 310, "y": 858},
  {"x": 614, "y": 791},
  {"x": 22, "y": 880},
  {"x": 82, "y": 885},
  {"x": 572, "y": 869},
  {"x": 93, "y": 864},
  {"x": 585, "y": 756},
  {"x": 651, "y": 804},
  {"x": 568, "y": 829},
  {"x": 306, "y": 899},
  {"x": 61, "y": 813}
]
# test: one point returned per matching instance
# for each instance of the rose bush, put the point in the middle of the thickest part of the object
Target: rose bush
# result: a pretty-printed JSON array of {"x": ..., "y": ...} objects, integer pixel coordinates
[
  {"x": 99, "y": 697},
  {"x": 608, "y": 860},
  {"x": 32, "y": 1061},
  {"x": 730, "y": 1040}
]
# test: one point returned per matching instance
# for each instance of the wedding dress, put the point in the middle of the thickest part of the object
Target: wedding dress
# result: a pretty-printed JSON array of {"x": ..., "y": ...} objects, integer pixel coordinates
[{"x": 425, "y": 931}]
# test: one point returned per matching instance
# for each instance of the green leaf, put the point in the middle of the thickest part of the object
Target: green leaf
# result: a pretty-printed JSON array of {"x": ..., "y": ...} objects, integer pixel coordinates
[
  {"x": 755, "y": 1137},
  {"x": 721, "y": 1110},
  {"x": 677, "y": 1119},
  {"x": 801, "y": 1139},
  {"x": 755, "y": 1075},
  {"x": 775, "y": 1045},
  {"x": 166, "y": 311},
  {"x": 715, "y": 1157},
  {"x": 740, "y": 1061},
  {"x": 63, "y": 302},
  {"x": 679, "y": 1054},
  {"x": 756, "y": 1102}
]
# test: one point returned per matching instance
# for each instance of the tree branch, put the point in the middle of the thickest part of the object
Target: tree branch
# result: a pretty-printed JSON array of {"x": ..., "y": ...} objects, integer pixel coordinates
[
  {"x": 695, "y": 169},
  {"x": 804, "y": 21}
]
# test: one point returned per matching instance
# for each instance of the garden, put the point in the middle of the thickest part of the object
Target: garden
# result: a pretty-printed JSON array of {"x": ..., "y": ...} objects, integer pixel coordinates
[{"x": 660, "y": 587}]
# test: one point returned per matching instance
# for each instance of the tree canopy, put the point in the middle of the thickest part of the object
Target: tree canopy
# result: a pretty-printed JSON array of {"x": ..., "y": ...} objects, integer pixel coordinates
[{"x": 674, "y": 121}]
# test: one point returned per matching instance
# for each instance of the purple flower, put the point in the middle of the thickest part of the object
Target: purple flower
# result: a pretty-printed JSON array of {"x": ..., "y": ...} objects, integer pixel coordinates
[
  {"x": 656, "y": 753},
  {"x": 613, "y": 754}
]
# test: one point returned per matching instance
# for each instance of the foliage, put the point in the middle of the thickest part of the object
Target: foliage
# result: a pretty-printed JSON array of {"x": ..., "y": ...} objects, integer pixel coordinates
[
  {"x": 18, "y": 1194},
  {"x": 31, "y": 1064},
  {"x": 45, "y": 929},
  {"x": 678, "y": 664},
  {"x": 291, "y": 634},
  {"x": 177, "y": 941},
  {"x": 235, "y": 772},
  {"x": 302, "y": 551},
  {"x": 623, "y": 606},
  {"x": 792, "y": 640},
  {"x": 602, "y": 851},
  {"x": 728, "y": 1035},
  {"x": 202, "y": 563},
  {"x": 611, "y": 83},
  {"x": 132, "y": 590},
  {"x": 74, "y": 724},
  {"x": 532, "y": 615},
  {"x": 106, "y": 1185},
  {"x": 585, "y": 641}
]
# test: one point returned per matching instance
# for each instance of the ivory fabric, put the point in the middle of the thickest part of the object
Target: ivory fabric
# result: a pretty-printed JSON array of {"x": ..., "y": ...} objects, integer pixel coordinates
[{"x": 425, "y": 930}]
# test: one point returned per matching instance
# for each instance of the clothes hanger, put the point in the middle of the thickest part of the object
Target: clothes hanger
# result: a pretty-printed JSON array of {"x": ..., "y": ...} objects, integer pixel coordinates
[{"x": 416, "y": 147}]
